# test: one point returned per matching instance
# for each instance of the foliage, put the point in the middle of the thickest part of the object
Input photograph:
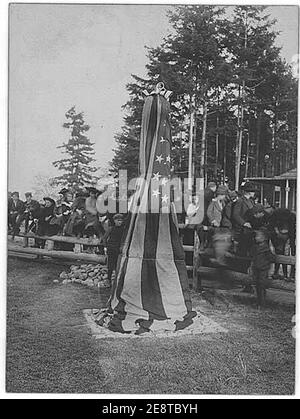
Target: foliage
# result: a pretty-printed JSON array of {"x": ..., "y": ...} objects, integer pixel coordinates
[
  {"x": 230, "y": 65},
  {"x": 77, "y": 166}
]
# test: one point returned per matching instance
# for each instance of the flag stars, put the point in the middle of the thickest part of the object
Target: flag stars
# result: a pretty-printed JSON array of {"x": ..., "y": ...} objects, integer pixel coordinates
[
  {"x": 168, "y": 159},
  {"x": 165, "y": 199},
  {"x": 155, "y": 193},
  {"x": 162, "y": 140},
  {"x": 159, "y": 158},
  {"x": 156, "y": 176},
  {"x": 164, "y": 181}
]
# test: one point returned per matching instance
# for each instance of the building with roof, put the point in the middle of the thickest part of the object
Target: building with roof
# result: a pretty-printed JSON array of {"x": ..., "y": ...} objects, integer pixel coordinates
[{"x": 281, "y": 190}]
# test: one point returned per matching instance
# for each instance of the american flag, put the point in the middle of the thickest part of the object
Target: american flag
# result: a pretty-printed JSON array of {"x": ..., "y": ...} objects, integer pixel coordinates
[{"x": 151, "y": 287}]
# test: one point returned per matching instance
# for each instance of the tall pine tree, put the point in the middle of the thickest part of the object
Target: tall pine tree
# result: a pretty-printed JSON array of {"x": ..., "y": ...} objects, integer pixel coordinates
[
  {"x": 228, "y": 73},
  {"x": 77, "y": 167}
]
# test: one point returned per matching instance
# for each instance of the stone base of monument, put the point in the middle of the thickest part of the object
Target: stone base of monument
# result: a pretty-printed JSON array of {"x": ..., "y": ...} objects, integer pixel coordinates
[{"x": 164, "y": 329}]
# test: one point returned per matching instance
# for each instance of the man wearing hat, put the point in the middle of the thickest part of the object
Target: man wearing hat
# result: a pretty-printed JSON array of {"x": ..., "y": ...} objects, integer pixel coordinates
[
  {"x": 15, "y": 208},
  {"x": 31, "y": 212},
  {"x": 209, "y": 195},
  {"x": 240, "y": 223},
  {"x": 215, "y": 208},
  {"x": 228, "y": 210}
]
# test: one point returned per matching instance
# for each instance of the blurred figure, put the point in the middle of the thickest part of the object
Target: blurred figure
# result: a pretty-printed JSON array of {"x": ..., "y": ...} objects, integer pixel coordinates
[{"x": 262, "y": 260}]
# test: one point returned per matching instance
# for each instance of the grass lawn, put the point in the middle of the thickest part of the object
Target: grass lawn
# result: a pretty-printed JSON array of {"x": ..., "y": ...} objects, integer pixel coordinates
[{"x": 50, "y": 348}]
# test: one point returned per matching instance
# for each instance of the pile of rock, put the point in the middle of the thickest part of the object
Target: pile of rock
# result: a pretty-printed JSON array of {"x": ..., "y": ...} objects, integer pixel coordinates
[{"x": 90, "y": 275}]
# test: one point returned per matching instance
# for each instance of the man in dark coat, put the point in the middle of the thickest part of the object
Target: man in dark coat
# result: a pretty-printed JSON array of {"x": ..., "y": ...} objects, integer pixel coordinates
[
  {"x": 241, "y": 225},
  {"x": 16, "y": 208},
  {"x": 209, "y": 195},
  {"x": 228, "y": 210},
  {"x": 262, "y": 260},
  {"x": 31, "y": 212},
  {"x": 202, "y": 229}
]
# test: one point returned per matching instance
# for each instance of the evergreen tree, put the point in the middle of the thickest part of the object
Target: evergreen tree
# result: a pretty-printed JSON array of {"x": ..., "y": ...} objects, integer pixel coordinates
[
  {"x": 191, "y": 63},
  {"x": 228, "y": 78},
  {"x": 255, "y": 59},
  {"x": 77, "y": 167}
]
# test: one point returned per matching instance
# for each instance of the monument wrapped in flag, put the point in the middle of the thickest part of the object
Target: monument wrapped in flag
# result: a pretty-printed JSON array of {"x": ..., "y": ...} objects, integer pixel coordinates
[{"x": 151, "y": 290}]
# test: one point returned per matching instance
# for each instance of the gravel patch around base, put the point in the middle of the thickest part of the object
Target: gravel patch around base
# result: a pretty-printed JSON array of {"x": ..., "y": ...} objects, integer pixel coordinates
[{"x": 201, "y": 325}]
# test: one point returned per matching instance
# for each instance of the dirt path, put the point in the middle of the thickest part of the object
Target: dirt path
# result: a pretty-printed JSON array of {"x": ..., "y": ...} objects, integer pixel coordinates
[{"x": 50, "y": 347}]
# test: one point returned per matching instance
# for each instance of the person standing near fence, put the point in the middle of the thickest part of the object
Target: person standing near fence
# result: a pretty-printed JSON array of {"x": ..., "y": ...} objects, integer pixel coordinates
[
  {"x": 112, "y": 242},
  {"x": 242, "y": 227},
  {"x": 261, "y": 264},
  {"x": 216, "y": 207}
]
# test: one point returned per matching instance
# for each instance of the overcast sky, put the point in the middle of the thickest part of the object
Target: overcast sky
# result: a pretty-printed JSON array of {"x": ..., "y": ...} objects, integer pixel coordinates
[{"x": 83, "y": 55}]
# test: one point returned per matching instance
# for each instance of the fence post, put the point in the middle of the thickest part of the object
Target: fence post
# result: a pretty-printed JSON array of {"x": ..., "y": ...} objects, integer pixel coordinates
[
  {"x": 77, "y": 248},
  {"x": 49, "y": 244}
]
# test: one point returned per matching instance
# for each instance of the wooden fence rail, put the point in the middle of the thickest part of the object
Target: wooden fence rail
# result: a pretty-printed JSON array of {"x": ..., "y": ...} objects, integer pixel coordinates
[
  {"x": 58, "y": 254},
  {"x": 77, "y": 254}
]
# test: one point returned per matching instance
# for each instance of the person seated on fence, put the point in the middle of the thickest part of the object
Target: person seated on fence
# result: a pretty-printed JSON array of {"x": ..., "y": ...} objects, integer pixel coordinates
[
  {"x": 92, "y": 223},
  {"x": 193, "y": 211},
  {"x": 76, "y": 221},
  {"x": 282, "y": 227},
  {"x": 262, "y": 258},
  {"x": 44, "y": 222},
  {"x": 112, "y": 241},
  {"x": 61, "y": 196},
  {"x": 241, "y": 226},
  {"x": 30, "y": 214},
  {"x": 16, "y": 208},
  {"x": 63, "y": 209}
]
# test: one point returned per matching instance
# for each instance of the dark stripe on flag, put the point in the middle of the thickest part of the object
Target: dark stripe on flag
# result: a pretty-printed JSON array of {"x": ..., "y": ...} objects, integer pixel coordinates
[
  {"x": 151, "y": 295},
  {"x": 121, "y": 303},
  {"x": 115, "y": 323},
  {"x": 151, "y": 131}
]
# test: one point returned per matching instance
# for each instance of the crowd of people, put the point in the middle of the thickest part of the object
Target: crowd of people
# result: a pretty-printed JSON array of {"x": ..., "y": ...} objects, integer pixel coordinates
[
  {"x": 233, "y": 222},
  {"x": 237, "y": 223},
  {"x": 71, "y": 215}
]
